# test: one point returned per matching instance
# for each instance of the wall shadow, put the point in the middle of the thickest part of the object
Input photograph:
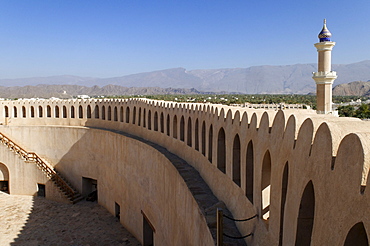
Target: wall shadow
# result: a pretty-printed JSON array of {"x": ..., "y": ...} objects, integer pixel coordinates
[
  {"x": 199, "y": 189},
  {"x": 54, "y": 223}
]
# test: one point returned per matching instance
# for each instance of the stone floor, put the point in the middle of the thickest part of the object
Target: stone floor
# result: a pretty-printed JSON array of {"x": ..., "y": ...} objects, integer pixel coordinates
[{"x": 28, "y": 220}]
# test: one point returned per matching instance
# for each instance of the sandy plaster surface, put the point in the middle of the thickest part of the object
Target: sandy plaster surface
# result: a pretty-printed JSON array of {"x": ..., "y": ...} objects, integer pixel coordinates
[{"x": 29, "y": 220}]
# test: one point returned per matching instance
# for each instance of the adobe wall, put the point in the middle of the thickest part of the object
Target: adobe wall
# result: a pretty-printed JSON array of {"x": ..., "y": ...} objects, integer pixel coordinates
[
  {"x": 328, "y": 154},
  {"x": 128, "y": 172}
]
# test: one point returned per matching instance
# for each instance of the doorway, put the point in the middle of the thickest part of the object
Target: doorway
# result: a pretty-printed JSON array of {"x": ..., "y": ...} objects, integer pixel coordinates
[
  {"x": 90, "y": 189},
  {"x": 4, "y": 186},
  {"x": 4, "y": 178},
  {"x": 117, "y": 210},
  {"x": 148, "y": 231},
  {"x": 41, "y": 190}
]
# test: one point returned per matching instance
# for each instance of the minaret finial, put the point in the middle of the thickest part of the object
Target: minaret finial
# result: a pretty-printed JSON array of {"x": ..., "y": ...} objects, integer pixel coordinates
[{"x": 325, "y": 34}]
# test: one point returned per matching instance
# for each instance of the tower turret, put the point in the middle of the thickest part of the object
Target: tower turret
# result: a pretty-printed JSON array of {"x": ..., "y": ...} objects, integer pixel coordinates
[{"x": 324, "y": 77}]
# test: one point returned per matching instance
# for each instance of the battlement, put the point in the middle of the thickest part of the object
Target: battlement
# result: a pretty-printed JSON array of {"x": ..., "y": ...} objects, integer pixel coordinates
[{"x": 255, "y": 161}]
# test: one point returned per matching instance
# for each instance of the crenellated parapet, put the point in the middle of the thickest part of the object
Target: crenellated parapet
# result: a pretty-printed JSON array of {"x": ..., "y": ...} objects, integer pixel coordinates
[{"x": 304, "y": 174}]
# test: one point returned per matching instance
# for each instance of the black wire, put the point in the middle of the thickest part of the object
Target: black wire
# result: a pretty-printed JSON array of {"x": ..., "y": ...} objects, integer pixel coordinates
[
  {"x": 250, "y": 234},
  {"x": 239, "y": 220}
]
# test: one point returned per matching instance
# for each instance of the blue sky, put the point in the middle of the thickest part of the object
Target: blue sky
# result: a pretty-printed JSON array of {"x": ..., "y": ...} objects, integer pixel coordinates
[{"x": 110, "y": 38}]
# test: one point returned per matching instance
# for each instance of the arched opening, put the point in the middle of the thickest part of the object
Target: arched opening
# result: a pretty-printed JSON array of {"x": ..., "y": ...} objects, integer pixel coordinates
[
  {"x": 204, "y": 138},
  {"x": 182, "y": 128},
  {"x": 96, "y": 112},
  {"x": 144, "y": 118},
  {"x": 109, "y": 112},
  {"x": 236, "y": 160},
  {"x": 15, "y": 112},
  {"x": 134, "y": 116},
  {"x": 103, "y": 113},
  {"x": 221, "y": 151},
  {"x": 127, "y": 114},
  {"x": 121, "y": 114},
  {"x": 64, "y": 112},
  {"x": 6, "y": 109},
  {"x": 40, "y": 111},
  {"x": 284, "y": 189},
  {"x": 168, "y": 125},
  {"x": 162, "y": 122},
  {"x": 72, "y": 112},
  {"x": 56, "y": 111},
  {"x": 149, "y": 120},
  {"x": 139, "y": 118},
  {"x": 115, "y": 114},
  {"x": 196, "y": 135},
  {"x": 306, "y": 216},
  {"x": 174, "y": 127},
  {"x": 156, "y": 121},
  {"x": 80, "y": 112},
  {"x": 4, "y": 178},
  {"x": 48, "y": 111},
  {"x": 266, "y": 186},
  {"x": 88, "y": 112},
  {"x": 357, "y": 236},
  {"x": 189, "y": 138},
  {"x": 249, "y": 172},
  {"x": 32, "y": 112},
  {"x": 23, "y": 111},
  {"x": 210, "y": 143}
]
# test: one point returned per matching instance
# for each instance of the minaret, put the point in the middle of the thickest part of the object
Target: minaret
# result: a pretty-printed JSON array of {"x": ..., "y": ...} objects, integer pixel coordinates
[{"x": 324, "y": 77}]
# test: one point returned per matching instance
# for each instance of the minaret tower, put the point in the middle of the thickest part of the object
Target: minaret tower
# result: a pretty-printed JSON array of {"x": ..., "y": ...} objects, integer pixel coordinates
[{"x": 324, "y": 77}]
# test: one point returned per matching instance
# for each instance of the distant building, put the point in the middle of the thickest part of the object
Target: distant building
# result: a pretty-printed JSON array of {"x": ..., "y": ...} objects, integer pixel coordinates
[{"x": 83, "y": 96}]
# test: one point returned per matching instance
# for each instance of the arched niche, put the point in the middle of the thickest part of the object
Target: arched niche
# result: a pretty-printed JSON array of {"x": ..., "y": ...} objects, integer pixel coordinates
[
  {"x": 357, "y": 236},
  {"x": 306, "y": 216},
  {"x": 4, "y": 178}
]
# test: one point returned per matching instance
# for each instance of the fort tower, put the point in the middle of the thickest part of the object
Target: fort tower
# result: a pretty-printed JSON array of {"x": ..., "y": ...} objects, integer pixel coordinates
[{"x": 324, "y": 77}]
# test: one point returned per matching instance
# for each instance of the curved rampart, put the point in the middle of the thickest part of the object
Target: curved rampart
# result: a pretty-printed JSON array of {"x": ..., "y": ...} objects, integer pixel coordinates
[{"x": 286, "y": 166}]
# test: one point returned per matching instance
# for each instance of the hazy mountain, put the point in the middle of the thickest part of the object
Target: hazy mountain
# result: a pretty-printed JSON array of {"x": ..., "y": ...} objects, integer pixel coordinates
[
  {"x": 258, "y": 79},
  {"x": 69, "y": 91},
  {"x": 356, "y": 88},
  {"x": 175, "y": 78},
  {"x": 52, "y": 80}
]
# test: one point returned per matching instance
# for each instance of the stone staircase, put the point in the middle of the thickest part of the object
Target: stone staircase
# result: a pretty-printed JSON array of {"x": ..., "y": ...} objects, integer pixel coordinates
[
  {"x": 64, "y": 186},
  {"x": 73, "y": 196}
]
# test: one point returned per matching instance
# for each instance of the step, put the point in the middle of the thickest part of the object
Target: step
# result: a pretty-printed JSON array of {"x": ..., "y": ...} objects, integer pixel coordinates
[{"x": 77, "y": 199}]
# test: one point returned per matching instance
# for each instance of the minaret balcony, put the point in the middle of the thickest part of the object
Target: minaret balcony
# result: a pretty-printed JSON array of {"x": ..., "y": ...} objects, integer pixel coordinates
[
  {"x": 325, "y": 46},
  {"x": 331, "y": 74},
  {"x": 324, "y": 77}
]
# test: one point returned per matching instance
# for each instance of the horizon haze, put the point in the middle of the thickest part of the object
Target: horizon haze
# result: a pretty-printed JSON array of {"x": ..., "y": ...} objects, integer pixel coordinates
[{"x": 288, "y": 79}]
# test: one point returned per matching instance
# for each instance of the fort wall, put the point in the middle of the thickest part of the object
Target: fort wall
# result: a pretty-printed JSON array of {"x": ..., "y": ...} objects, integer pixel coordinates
[
  {"x": 295, "y": 169},
  {"x": 128, "y": 172}
]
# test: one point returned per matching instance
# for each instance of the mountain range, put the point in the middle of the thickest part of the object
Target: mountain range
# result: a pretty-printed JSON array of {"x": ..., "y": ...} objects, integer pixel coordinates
[
  {"x": 285, "y": 79},
  {"x": 356, "y": 88}
]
